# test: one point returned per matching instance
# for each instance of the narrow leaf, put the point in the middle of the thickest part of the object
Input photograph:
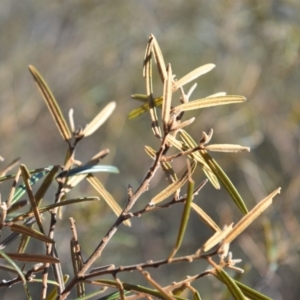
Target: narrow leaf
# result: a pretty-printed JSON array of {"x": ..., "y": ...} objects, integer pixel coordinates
[
  {"x": 193, "y": 75},
  {"x": 251, "y": 216},
  {"x": 209, "y": 102},
  {"x": 166, "y": 167},
  {"x": 53, "y": 293},
  {"x": 164, "y": 294},
  {"x": 14, "y": 265},
  {"x": 190, "y": 91},
  {"x": 226, "y": 148},
  {"x": 18, "y": 270},
  {"x": 45, "y": 170},
  {"x": 144, "y": 108},
  {"x": 97, "y": 185},
  {"x": 112, "y": 296},
  {"x": 250, "y": 293},
  {"x": 26, "y": 178},
  {"x": 13, "y": 236},
  {"x": 32, "y": 257},
  {"x": 167, "y": 98},
  {"x": 206, "y": 219},
  {"x": 159, "y": 59},
  {"x": 17, "y": 206},
  {"x": 76, "y": 263},
  {"x": 52, "y": 105},
  {"x": 196, "y": 295},
  {"x": 51, "y": 206},
  {"x": 147, "y": 72},
  {"x": 102, "y": 116},
  {"x": 33, "y": 179},
  {"x": 38, "y": 198},
  {"x": 140, "y": 97},
  {"x": 172, "y": 188},
  {"x": 45, "y": 185},
  {"x": 230, "y": 283},
  {"x": 132, "y": 287},
  {"x": 87, "y": 169},
  {"x": 185, "y": 217},
  {"x": 225, "y": 181},
  {"x": 22, "y": 229},
  {"x": 217, "y": 95},
  {"x": 216, "y": 238},
  {"x": 190, "y": 143}
]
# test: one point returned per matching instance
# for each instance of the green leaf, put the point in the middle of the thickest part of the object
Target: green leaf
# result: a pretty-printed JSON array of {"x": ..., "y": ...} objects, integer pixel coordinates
[
  {"x": 185, "y": 217},
  {"x": 144, "y": 108},
  {"x": 230, "y": 283},
  {"x": 196, "y": 295},
  {"x": 250, "y": 293},
  {"x": 225, "y": 181}
]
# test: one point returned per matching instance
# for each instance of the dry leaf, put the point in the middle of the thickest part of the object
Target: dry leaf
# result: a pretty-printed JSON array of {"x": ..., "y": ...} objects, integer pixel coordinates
[
  {"x": 193, "y": 75},
  {"x": 102, "y": 116},
  {"x": 209, "y": 102},
  {"x": 251, "y": 216}
]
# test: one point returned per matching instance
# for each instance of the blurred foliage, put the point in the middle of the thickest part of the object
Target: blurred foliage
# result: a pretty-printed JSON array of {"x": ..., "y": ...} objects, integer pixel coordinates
[{"x": 90, "y": 53}]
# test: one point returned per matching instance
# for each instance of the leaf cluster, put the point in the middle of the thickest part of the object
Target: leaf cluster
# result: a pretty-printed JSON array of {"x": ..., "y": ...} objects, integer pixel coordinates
[{"x": 170, "y": 129}]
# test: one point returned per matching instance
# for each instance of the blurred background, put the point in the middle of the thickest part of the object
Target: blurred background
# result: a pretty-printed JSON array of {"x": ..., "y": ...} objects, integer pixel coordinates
[{"x": 91, "y": 52}]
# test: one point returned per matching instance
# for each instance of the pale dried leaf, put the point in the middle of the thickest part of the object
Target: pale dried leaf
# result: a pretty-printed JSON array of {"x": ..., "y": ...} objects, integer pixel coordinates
[
  {"x": 172, "y": 140},
  {"x": 209, "y": 102},
  {"x": 159, "y": 59},
  {"x": 147, "y": 72},
  {"x": 164, "y": 294},
  {"x": 189, "y": 93},
  {"x": 167, "y": 98},
  {"x": 251, "y": 216},
  {"x": 150, "y": 151},
  {"x": 226, "y": 148},
  {"x": 102, "y": 116},
  {"x": 108, "y": 198},
  {"x": 205, "y": 218},
  {"x": 193, "y": 75},
  {"x": 219, "y": 94},
  {"x": 183, "y": 124},
  {"x": 71, "y": 120},
  {"x": 216, "y": 238}
]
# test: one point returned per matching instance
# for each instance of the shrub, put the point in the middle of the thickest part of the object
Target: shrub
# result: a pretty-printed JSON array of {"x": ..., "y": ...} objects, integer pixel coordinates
[{"x": 170, "y": 130}]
